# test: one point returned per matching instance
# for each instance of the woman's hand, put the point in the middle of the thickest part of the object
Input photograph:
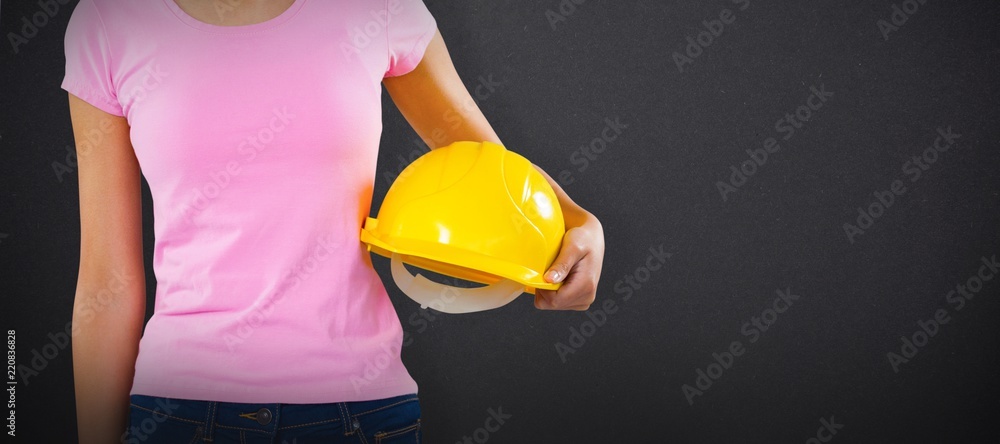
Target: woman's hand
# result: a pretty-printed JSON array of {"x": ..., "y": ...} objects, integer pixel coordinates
[{"x": 578, "y": 267}]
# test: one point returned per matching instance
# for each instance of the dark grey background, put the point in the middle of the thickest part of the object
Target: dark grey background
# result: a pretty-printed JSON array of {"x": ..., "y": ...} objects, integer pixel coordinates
[{"x": 656, "y": 184}]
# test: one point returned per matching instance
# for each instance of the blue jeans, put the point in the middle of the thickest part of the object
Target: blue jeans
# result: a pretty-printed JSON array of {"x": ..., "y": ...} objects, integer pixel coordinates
[{"x": 179, "y": 421}]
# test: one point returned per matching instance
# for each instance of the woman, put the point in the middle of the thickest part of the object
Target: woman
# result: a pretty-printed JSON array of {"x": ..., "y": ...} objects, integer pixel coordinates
[{"x": 256, "y": 124}]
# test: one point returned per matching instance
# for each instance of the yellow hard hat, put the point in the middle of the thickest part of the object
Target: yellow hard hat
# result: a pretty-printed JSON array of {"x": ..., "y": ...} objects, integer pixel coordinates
[{"x": 473, "y": 211}]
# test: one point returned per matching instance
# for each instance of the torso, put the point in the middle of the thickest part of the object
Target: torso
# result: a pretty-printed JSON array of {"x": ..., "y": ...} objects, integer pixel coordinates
[{"x": 259, "y": 140}]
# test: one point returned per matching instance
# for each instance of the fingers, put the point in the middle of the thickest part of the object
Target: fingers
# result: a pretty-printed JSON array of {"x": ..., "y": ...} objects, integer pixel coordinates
[
  {"x": 577, "y": 292},
  {"x": 571, "y": 251},
  {"x": 542, "y": 304},
  {"x": 578, "y": 267}
]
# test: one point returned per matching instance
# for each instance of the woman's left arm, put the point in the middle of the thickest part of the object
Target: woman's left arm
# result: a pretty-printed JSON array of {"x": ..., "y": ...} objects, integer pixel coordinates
[{"x": 434, "y": 91}]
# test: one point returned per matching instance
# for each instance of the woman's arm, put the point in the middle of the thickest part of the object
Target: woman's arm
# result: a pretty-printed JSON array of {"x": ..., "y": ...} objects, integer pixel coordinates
[
  {"x": 110, "y": 302},
  {"x": 432, "y": 91}
]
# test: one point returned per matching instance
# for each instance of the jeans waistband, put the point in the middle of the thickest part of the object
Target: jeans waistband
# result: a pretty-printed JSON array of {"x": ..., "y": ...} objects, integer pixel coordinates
[{"x": 262, "y": 417}]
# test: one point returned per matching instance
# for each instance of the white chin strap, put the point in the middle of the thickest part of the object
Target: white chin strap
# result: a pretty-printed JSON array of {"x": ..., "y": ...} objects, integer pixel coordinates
[{"x": 455, "y": 300}]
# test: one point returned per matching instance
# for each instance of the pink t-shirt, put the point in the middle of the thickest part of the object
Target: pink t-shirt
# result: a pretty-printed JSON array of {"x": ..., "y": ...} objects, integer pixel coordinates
[{"x": 259, "y": 144}]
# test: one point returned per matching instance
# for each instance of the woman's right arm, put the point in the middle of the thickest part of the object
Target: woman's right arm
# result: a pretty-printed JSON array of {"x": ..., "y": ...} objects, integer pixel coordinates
[{"x": 110, "y": 302}]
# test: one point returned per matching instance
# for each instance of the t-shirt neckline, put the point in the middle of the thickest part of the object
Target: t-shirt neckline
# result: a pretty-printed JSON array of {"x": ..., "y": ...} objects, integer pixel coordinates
[{"x": 239, "y": 29}]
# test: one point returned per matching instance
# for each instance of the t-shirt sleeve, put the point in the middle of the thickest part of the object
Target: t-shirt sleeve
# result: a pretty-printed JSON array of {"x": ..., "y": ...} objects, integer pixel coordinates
[
  {"x": 88, "y": 59},
  {"x": 410, "y": 28}
]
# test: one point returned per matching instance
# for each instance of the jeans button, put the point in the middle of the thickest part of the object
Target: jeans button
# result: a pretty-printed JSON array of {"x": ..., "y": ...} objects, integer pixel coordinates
[{"x": 263, "y": 416}]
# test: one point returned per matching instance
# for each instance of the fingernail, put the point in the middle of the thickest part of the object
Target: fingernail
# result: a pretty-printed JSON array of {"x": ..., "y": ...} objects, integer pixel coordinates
[{"x": 554, "y": 276}]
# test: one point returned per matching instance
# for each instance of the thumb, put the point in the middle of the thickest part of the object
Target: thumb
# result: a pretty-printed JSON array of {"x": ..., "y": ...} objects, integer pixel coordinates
[{"x": 569, "y": 254}]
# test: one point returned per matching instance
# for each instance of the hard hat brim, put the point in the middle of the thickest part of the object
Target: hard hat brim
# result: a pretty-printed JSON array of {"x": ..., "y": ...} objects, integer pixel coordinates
[{"x": 441, "y": 258}]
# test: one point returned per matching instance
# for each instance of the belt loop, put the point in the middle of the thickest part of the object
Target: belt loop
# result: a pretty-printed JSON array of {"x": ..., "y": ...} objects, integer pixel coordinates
[
  {"x": 210, "y": 421},
  {"x": 345, "y": 418}
]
